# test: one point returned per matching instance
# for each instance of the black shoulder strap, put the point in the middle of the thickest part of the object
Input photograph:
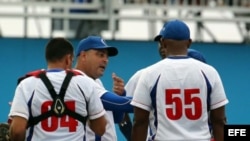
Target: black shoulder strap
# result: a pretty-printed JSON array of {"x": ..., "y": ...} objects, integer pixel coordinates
[{"x": 59, "y": 108}]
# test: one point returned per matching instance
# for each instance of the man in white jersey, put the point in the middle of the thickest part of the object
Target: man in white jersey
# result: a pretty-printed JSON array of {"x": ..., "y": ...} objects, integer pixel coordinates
[
  {"x": 118, "y": 87},
  {"x": 179, "y": 91},
  {"x": 92, "y": 59},
  {"x": 65, "y": 96}
]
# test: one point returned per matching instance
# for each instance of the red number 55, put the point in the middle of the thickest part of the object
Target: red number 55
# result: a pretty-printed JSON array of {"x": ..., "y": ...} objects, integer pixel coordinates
[{"x": 191, "y": 104}]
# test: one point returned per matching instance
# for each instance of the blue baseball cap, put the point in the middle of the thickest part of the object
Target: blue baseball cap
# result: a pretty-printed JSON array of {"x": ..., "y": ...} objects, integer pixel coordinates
[
  {"x": 175, "y": 30},
  {"x": 196, "y": 55},
  {"x": 95, "y": 42}
]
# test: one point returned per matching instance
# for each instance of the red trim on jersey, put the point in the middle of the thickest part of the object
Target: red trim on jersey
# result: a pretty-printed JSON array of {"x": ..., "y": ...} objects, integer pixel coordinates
[
  {"x": 34, "y": 73},
  {"x": 74, "y": 72},
  {"x": 37, "y": 72}
]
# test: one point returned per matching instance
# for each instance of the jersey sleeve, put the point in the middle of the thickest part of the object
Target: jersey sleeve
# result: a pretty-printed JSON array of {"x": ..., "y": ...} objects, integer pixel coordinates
[
  {"x": 218, "y": 96},
  {"x": 141, "y": 98},
  {"x": 19, "y": 104},
  {"x": 95, "y": 107}
]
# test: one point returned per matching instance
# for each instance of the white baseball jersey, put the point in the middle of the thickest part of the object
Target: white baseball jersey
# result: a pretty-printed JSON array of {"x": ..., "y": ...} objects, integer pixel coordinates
[
  {"x": 179, "y": 90},
  {"x": 110, "y": 134},
  {"x": 31, "y": 94}
]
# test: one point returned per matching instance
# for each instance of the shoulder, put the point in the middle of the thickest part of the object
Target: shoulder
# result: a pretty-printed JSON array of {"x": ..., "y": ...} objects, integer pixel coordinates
[
  {"x": 99, "y": 82},
  {"x": 136, "y": 76},
  {"x": 139, "y": 72},
  {"x": 81, "y": 78},
  {"x": 207, "y": 68},
  {"x": 75, "y": 71}
]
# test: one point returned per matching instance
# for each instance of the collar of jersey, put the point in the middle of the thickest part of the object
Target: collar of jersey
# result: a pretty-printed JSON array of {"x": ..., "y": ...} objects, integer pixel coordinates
[
  {"x": 178, "y": 57},
  {"x": 54, "y": 70}
]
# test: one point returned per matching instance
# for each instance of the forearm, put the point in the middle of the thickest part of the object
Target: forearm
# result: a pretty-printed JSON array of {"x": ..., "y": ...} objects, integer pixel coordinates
[
  {"x": 16, "y": 136},
  {"x": 218, "y": 120},
  {"x": 18, "y": 128},
  {"x": 98, "y": 125},
  {"x": 218, "y": 130},
  {"x": 139, "y": 131}
]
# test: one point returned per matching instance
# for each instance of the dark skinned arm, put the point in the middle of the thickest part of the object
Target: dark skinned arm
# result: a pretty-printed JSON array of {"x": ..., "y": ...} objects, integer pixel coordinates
[
  {"x": 140, "y": 125},
  {"x": 18, "y": 128},
  {"x": 218, "y": 120}
]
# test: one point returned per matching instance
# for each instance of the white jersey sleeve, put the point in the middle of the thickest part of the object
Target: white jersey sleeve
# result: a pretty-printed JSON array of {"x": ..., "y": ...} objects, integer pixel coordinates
[
  {"x": 94, "y": 99},
  {"x": 217, "y": 95},
  {"x": 19, "y": 105}
]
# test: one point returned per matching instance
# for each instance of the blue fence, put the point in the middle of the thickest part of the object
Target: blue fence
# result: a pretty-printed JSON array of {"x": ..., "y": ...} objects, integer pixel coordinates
[{"x": 232, "y": 61}]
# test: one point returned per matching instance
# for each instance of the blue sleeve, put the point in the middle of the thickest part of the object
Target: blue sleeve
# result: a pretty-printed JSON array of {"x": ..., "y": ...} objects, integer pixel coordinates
[
  {"x": 113, "y": 102},
  {"x": 118, "y": 116}
]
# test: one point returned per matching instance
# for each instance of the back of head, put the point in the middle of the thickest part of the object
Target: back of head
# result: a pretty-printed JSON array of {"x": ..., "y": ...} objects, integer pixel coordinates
[
  {"x": 175, "y": 36},
  {"x": 196, "y": 55},
  {"x": 57, "y": 48},
  {"x": 174, "y": 30}
]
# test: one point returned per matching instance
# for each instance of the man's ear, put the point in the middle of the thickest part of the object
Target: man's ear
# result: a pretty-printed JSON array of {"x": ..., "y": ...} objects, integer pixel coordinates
[
  {"x": 69, "y": 60},
  {"x": 189, "y": 43},
  {"x": 83, "y": 53}
]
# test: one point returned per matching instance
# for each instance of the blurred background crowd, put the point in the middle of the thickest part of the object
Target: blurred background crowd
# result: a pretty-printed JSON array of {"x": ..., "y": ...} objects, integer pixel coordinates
[{"x": 210, "y": 20}]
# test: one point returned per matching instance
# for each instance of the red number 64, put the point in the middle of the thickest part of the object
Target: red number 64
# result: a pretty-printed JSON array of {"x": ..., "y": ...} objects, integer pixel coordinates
[{"x": 55, "y": 122}]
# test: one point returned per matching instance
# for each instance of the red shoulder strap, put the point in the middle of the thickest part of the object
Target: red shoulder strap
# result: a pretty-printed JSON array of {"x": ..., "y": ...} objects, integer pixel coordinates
[
  {"x": 37, "y": 72},
  {"x": 33, "y": 73}
]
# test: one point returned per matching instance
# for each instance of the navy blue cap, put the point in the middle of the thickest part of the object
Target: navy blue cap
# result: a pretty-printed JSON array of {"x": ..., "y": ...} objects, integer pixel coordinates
[
  {"x": 175, "y": 30},
  {"x": 196, "y": 55},
  {"x": 95, "y": 42}
]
